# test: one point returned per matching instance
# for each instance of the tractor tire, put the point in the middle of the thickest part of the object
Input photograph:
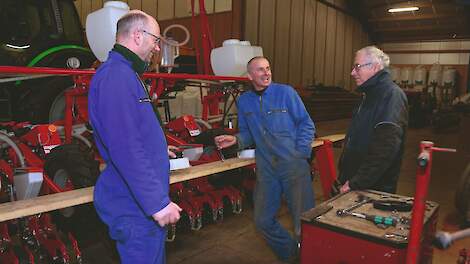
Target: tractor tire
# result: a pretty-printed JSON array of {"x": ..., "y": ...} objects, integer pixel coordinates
[
  {"x": 74, "y": 162},
  {"x": 38, "y": 96},
  {"x": 462, "y": 196},
  {"x": 39, "y": 104}
]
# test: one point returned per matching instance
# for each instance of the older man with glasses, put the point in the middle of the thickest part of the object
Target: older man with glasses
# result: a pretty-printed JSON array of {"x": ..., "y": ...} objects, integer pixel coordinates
[
  {"x": 374, "y": 145},
  {"x": 132, "y": 193}
]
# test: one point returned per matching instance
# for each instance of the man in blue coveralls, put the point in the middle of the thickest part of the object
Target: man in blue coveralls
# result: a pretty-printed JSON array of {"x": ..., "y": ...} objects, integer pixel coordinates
[
  {"x": 273, "y": 117},
  {"x": 132, "y": 193}
]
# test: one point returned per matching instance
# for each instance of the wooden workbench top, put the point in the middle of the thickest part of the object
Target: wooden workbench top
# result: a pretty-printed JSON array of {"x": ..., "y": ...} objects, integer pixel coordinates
[{"x": 56, "y": 201}]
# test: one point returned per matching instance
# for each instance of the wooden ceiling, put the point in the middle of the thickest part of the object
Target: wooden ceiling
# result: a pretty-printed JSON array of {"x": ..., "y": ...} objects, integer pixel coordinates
[{"x": 435, "y": 19}]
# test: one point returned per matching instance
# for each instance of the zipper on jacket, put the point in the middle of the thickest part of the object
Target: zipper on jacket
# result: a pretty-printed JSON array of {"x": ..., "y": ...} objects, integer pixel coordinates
[{"x": 261, "y": 103}]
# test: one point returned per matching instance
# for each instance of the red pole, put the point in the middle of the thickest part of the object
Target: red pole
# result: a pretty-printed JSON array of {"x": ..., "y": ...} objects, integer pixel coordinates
[
  {"x": 195, "y": 40},
  {"x": 206, "y": 38},
  {"x": 423, "y": 176},
  {"x": 326, "y": 167}
]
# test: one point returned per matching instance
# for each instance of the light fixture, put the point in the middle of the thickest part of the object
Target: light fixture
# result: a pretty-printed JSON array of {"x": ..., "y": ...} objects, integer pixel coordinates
[
  {"x": 403, "y": 9},
  {"x": 17, "y": 47}
]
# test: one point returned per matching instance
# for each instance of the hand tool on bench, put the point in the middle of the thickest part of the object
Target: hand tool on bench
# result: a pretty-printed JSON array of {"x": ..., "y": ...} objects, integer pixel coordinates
[
  {"x": 380, "y": 221},
  {"x": 362, "y": 199},
  {"x": 392, "y": 205}
]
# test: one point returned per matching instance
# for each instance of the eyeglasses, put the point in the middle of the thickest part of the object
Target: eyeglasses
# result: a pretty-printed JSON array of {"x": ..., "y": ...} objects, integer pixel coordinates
[
  {"x": 157, "y": 39},
  {"x": 358, "y": 66}
]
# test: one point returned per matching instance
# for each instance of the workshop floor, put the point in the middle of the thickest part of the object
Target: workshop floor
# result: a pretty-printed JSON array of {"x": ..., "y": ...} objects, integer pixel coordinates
[{"x": 235, "y": 240}]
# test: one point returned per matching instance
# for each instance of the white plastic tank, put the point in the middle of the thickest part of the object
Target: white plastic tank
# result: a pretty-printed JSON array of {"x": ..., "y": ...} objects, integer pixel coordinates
[
  {"x": 406, "y": 76},
  {"x": 395, "y": 73},
  {"x": 435, "y": 74},
  {"x": 419, "y": 75},
  {"x": 101, "y": 27},
  {"x": 232, "y": 57},
  {"x": 449, "y": 76}
]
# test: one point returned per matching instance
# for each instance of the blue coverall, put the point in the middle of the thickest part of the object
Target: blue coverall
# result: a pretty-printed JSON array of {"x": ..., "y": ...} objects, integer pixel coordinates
[
  {"x": 135, "y": 183},
  {"x": 278, "y": 124}
]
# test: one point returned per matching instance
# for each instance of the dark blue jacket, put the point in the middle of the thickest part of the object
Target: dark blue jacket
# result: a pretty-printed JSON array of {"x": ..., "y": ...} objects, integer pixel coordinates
[
  {"x": 374, "y": 143},
  {"x": 135, "y": 182}
]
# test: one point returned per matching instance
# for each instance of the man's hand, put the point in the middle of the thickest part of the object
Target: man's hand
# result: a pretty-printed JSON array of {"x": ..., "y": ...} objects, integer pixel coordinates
[
  {"x": 225, "y": 141},
  {"x": 171, "y": 148},
  {"x": 345, "y": 187},
  {"x": 168, "y": 215}
]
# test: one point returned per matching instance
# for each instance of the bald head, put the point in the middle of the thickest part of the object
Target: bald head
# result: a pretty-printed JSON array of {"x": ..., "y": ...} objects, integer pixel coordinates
[
  {"x": 139, "y": 32},
  {"x": 259, "y": 72}
]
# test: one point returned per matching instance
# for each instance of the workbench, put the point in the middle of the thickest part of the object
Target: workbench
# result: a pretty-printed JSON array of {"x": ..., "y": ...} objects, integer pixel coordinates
[{"x": 46, "y": 203}]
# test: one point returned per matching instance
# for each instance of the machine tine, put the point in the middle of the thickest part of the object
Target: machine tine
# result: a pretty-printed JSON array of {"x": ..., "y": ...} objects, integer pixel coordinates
[
  {"x": 170, "y": 232},
  {"x": 237, "y": 206}
]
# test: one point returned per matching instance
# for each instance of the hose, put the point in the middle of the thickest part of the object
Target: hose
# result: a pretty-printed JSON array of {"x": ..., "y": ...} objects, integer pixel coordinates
[
  {"x": 4, "y": 137},
  {"x": 175, "y": 43},
  {"x": 83, "y": 139}
]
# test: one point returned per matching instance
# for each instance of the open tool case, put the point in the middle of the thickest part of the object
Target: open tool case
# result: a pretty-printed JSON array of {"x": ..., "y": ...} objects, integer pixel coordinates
[{"x": 331, "y": 237}]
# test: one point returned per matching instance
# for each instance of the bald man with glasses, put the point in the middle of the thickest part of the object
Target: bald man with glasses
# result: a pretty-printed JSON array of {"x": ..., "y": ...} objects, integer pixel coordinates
[
  {"x": 374, "y": 145},
  {"x": 132, "y": 194}
]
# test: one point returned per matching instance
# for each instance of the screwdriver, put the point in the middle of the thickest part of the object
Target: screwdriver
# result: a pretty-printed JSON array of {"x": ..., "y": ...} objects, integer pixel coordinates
[{"x": 377, "y": 219}]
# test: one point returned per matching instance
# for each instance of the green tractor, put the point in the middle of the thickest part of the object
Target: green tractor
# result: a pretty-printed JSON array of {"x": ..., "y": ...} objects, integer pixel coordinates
[{"x": 39, "y": 33}]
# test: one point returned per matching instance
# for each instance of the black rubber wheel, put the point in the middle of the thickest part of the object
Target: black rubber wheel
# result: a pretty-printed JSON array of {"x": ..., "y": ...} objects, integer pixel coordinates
[
  {"x": 462, "y": 195},
  {"x": 35, "y": 107},
  {"x": 73, "y": 162},
  {"x": 36, "y": 97}
]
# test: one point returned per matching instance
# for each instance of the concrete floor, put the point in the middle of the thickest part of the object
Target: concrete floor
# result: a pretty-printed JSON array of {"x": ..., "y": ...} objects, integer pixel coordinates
[{"x": 235, "y": 240}]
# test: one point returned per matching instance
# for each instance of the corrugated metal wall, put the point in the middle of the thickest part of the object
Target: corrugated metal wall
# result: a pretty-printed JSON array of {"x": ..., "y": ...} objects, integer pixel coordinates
[{"x": 306, "y": 41}]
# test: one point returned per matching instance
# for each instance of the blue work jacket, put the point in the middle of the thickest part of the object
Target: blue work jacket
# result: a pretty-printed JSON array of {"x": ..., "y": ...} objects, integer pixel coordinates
[
  {"x": 135, "y": 182},
  {"x": 277, "y": 123}
]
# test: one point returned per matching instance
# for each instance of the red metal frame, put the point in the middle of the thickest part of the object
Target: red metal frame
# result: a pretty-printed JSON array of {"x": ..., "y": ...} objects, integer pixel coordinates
[
  {"x": 423, "y": 177},
  {"x": 326, "y": 167}
]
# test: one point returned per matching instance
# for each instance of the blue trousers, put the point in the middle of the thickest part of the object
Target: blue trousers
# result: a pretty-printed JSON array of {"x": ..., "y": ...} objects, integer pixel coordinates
[
  {"x": 137, "y": 241},
  {"x": 291, "y": 180}
]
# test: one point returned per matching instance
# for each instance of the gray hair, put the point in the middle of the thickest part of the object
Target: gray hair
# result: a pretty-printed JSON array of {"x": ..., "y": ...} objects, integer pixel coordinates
[
  {"x": 130, "y": 21},
  {"x": 376, "y": 55}
]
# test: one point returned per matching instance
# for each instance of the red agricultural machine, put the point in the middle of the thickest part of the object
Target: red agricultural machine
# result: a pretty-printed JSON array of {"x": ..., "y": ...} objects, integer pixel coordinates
[{"x": 40, "y": 159}]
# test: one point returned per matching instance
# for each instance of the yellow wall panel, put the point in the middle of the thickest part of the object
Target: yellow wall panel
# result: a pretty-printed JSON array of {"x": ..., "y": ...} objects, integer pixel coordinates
[
  {"x": 356, "y": 43},
  {"x": 330, "y": 46},
  {"x": 348, "y": 51},
  {"x": 251, "y": 21},
  {"x": 182, "y": 9},
  {"x": 320, "y": 42},
  {"x": 308, "y": 47},
  {"x": 165, "y": 10},
  {"x": 135, "y": 4},
  {"x": 222, "y": 5},
  {"x": 150, "y": 7},
  {"x": 266, "y": 26},
  {"x": 78, "y": 7},
  {"x": 281, "y": 43},
  {"x": 295, "y": 46},
  {"x": 96, "y": 4},
  {"x": 209, "y": 5},
  {"x": 86, "y": 9},
  {"x": 339, "y": 51}
]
